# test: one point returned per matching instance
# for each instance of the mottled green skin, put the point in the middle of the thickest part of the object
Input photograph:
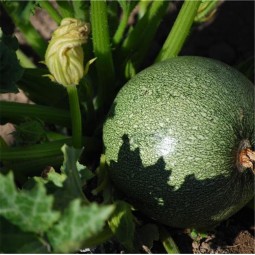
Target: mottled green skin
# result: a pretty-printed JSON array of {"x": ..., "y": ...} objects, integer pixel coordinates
[{"x": 171, "y": 141}]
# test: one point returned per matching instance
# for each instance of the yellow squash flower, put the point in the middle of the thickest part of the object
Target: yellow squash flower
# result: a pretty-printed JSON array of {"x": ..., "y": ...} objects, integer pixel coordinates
[{"x": 64, "y": 55}]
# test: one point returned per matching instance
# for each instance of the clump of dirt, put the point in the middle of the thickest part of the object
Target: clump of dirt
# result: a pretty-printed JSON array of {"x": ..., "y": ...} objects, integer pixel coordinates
[
  {"x": 236, "y": 235},
  {"x": 243, "y": 244}
]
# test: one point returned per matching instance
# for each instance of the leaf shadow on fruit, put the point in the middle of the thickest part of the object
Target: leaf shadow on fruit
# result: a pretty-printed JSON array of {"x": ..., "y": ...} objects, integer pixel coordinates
[{"x": 204, "y": 196}]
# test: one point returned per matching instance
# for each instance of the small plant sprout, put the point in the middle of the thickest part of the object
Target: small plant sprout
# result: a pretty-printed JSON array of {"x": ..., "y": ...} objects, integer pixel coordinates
[{"x": 64, "y": 59}]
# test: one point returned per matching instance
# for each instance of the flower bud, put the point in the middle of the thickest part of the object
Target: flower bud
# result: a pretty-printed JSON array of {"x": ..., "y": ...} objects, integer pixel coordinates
[{"x": 64, "y": 55}]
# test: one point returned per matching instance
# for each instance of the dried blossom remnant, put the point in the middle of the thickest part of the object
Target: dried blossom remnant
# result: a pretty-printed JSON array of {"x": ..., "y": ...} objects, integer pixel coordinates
[
  {"x": 246, "y": 157},
  {"x": 64, "y": 55}
]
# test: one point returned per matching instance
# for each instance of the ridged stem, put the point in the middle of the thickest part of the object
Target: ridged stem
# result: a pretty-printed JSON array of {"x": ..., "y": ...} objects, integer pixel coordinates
[
  {"x": 179, "y": 31},
  {"x": 127, "y": 7},
  {"x": 75, "y": 116},
  {"x": 46, "y": 5},
  {"x": 48, "y": 149},
  {"x": 17, "y": 112},
  {"x": 140, "y": 40},
  {"x": 102, "y": 50}
]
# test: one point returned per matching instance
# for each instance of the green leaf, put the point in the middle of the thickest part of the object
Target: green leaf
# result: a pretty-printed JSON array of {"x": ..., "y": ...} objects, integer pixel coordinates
[
  {"x": 71, "y": 167},
  {"x": 41, "y": 90},
  {"x": 20, "y": 13},
  {"x": 30, "y": 132},
  {"x": 30, "y": 210},
  {"x": 78, "y": 224},
  {"x": 10, "y": 69},
  {"x": 50, "y": 177},
  {"x": 56, "y": 178},
  {"x": 197, "y": 235},
  {"x": 65, "y": 8},
  {"x": 207, "y": 11},
  {"x": 10, "y": 41},
  {"x": 81, "y": 9},
  {"x": 122, "y": 224},
  {"x": 14, "y": 240}
]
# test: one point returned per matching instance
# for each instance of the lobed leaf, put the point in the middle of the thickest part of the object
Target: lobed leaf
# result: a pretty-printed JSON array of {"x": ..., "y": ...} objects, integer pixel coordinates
[
  {"x": 77, "y": 225},
  {"x": 122, "y": 224},
  {"x": 14, "y": 240},
  {"x": 29, "y": 210},
  {"x": 72, "y": 168}
]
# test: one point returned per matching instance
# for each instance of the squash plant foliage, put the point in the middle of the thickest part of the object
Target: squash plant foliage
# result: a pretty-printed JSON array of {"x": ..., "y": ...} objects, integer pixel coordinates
[{"x": 55, "y": 195}]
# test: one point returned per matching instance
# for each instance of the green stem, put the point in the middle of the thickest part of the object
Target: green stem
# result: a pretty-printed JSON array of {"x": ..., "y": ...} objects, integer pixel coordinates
[
  {"x": 51, "y": 11},
  {"x": 127, "y": 7},
  {"x": 145, "y": 28},
  {"x": 33, "y": 166},
  {"x": 102, "y": 51},
  {"x": 121, "y": 28},
  {"x": 138, "y": 41},
  {"x": 34, "y": 151},
  {"x": 167, "y": 241},
  {"x": 17, "y": 112},
  {"x": 81, "y": 9},
  {"x": 75, "y": 116},
  {"x": 47, "y": 149},
  {"x": 90, "y": 119},
  {"x": 73, "y": 183},
  {"x": 65, "y": 8},
  {"x": 155, "y": 15},
  {"x": 180, "y": 30},
  {"x": 207, "y": 8},
  {"x": 24, "y": 60}
]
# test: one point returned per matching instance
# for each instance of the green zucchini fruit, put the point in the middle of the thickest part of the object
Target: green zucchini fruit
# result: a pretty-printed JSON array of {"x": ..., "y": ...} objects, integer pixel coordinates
[{"x": 176, "y": 141}]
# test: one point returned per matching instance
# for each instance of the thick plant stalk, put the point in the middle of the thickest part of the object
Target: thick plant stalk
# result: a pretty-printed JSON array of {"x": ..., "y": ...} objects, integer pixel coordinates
[
  {"x": 180, "y": 30},
  {"x": 75, "y": 116},
  {"x": 48, "y": 149},
  {"x": 137, "y": 44},
  {"x": 102, "y": 51},
  {"x": 17, "y": 112}
]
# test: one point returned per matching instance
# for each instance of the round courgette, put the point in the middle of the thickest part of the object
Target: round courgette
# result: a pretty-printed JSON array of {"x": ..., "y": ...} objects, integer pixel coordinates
[{"x": 179, "y": 141}]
